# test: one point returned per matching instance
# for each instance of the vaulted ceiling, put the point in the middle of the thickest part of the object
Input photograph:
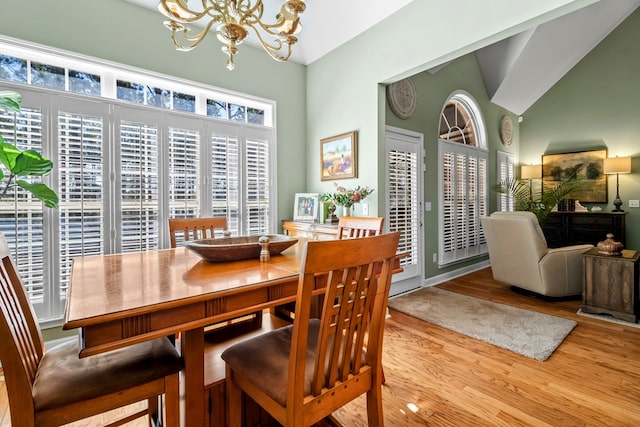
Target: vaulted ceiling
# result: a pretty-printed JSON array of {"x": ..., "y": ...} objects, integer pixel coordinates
[{"x": 517, "y": 71}]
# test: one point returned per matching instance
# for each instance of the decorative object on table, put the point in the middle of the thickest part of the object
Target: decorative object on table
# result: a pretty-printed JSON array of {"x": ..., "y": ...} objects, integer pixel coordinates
[
  {"x": 506, "y": 130},
  {"x": 233, "y": 19},
  {"x": 401, "y": 96},
  {"x": 19, "y": 163},
  {"x": 338, "y": 156},
  {"x": 332, "y": 217},
  {"x": 610, "y": 246},
  {"x": 586, "y": 167},
  {"x": 305, "y": 207},
  {"x": 237, "y": 248},
  {"x": 265, "y": 256},
  {"x": 617, "y": 165},
  {"x": 580, "y": 208},
  {"x": 346, "y": 197},
  {"x": 567, "y": 205}
]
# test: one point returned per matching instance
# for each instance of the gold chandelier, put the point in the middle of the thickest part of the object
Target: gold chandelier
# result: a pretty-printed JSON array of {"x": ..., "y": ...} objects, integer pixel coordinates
[{"x": 234, "y": 17}]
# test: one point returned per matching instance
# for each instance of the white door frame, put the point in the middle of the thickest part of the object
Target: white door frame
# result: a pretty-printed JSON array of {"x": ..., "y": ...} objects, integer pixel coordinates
[{"x": 409, "y": 142}]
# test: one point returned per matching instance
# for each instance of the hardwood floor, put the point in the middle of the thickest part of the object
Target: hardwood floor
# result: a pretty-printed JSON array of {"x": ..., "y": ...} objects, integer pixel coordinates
[{"x": 436, "y": 377}]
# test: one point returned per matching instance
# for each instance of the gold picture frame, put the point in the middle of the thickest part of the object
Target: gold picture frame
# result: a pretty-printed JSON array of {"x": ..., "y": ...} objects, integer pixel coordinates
[
  {"x": 587, "y": 166},
  {"x": 338, "y": 156}
]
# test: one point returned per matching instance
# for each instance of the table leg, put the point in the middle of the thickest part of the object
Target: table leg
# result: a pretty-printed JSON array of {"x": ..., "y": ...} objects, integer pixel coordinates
[{"x": 192, "y": 344}]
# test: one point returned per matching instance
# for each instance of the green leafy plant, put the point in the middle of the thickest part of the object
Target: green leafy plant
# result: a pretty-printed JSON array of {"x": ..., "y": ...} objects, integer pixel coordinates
[
  {"x": 17, "y": 163},
  {"x": 534, "y": 200}
]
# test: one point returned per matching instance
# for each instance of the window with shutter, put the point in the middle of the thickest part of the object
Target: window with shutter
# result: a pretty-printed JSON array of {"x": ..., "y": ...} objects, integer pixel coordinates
[
  {"x": 506, "y": 173},
  {"x": 80, "y": 190},
  {"x": 122, "y": 169},
  {"x": 21, "y": 214},
  {"x": 184, "y": 173},
  {"x": 140, "y": 187},
  {"x": 463, "y": 194},
  {"x": 257, "y": 178}
]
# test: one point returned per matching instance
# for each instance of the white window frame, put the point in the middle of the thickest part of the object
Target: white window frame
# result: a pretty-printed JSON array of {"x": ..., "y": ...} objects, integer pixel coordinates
[
  {"x": 50, "y": 307},
  {"x": 463, "y": 238}
]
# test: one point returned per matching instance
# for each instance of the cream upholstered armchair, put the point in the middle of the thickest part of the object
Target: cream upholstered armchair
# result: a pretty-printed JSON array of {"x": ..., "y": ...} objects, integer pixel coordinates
[{"x": 519, "y": 256}]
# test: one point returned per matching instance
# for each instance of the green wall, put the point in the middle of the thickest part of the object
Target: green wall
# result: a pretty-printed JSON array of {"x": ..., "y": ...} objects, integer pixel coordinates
[
  {"x": 345, "y": 88},
  {"x": 433, "y": 91},
  {"x": 118, "y": 31},
  {"x": 596, "y": 104}
]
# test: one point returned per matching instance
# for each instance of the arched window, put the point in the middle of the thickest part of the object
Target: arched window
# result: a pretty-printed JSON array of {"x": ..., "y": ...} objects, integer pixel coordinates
[{"x": 463, "y": 195}]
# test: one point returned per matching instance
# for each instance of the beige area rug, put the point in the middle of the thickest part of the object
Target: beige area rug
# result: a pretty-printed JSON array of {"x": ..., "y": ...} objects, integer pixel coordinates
[
  {"x": 608, "y": 318},
  {"x": 531, "y": 334}
]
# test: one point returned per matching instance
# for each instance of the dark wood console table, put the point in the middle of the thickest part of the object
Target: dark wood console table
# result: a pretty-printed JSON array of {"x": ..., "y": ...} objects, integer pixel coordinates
[{"x": 577, "y": 228}]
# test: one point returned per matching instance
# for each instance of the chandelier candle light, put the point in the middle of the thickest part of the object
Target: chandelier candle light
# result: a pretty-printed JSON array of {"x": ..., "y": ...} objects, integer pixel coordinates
[{"x": 233, "y": 18}]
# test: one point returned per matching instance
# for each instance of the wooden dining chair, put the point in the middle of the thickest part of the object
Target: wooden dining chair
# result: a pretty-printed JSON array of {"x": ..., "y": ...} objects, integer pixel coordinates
[
  {"x": 183, "y": 229},
  {"x": 316, "y": 366},
  {"x": 57, "y": 387},
  {"x": 350, "y": 227}
]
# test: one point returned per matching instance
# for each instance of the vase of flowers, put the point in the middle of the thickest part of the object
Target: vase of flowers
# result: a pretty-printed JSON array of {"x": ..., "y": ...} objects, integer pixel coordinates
[{"x": 346, "y": 197}]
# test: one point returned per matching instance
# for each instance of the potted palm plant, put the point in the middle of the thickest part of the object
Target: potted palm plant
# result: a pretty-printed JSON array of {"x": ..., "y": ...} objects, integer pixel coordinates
[
  {"x": 17, "y": 163},
  {"x": 536, "y": 201}
]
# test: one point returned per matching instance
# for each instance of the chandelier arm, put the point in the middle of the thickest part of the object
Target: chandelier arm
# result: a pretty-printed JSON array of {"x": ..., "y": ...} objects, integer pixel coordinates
[
  {"x": 193, "y": 39},
  {"x": 197, "y": 15},
  {"x": 254, "y": 10},
  {"x": 278, "y": 44}
]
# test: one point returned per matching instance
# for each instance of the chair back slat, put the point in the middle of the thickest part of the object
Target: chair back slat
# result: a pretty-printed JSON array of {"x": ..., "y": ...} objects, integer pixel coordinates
[
  {"x": 22, "y": 344},
  {"x": 354, "y": 227},
  {"x": 184, "y": 229},
  {"x": 358, "y": 275}
]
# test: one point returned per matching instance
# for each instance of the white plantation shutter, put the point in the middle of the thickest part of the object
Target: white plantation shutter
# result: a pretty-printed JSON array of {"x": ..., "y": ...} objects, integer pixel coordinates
[
  {"x": 80, "y": 190},
  {"x": 140, "y": 191},
  {"x": 21, "y": 214},
  {"x": 225, "y": 179},
  {"x": 257, "y": 179},
  {"x": 403, "y": 200},
  {"x": 506, "y": 172},
  {"x": 463, "y": 199},
  {"x": 184, "y": 173},
  {"x": 120, "y": 172}
]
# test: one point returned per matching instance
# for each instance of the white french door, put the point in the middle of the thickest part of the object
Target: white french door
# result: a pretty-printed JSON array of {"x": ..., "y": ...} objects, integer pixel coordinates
[{"x": 404, "y": 171}]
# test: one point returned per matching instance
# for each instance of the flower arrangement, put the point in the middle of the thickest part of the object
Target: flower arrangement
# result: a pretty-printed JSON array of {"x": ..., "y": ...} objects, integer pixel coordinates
[{"x": 346, "y": 197}]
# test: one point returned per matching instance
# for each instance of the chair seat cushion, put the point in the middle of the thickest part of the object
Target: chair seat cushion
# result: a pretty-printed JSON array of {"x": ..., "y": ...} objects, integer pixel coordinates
[
  {"x": 63, "y": 378},
  {"x": 265, "y": 360}
]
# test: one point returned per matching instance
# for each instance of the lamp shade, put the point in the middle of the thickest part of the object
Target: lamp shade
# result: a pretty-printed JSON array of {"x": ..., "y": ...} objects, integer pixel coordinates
[
  {"x": 530, "y": 171},
  {"x": 617, "y": 165}
]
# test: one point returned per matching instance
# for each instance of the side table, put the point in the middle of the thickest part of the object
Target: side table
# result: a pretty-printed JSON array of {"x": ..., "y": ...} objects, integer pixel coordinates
[{"x": 611, "y": 284}]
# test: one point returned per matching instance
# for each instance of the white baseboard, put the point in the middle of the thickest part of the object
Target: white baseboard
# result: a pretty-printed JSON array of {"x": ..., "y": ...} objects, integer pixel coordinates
[{"x": 441, "y": 278}]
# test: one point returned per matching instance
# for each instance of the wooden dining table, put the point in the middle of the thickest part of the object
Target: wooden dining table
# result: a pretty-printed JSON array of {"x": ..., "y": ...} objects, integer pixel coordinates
[{"x": 122, "y": 299}]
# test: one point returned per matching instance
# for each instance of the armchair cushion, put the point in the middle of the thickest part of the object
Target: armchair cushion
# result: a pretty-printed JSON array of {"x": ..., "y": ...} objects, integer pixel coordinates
[{"x": 519, "y": 256}]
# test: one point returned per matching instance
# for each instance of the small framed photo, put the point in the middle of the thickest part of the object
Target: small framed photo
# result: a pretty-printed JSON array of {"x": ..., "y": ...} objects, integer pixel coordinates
[
  {"x": 338, "y": 156},
  {"x": 305, "y": 207}
]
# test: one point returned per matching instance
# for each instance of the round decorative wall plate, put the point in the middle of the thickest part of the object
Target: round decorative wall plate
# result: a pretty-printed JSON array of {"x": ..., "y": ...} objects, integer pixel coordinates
[
  {"x": 506, "y": 130},
  {"x": 401, "y": 96}
]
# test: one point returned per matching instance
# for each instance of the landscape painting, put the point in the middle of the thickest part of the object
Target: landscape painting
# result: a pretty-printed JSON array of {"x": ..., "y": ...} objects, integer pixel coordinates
[
  {"x": 338, "y": 156},
  {"x": 586, "y": 166}
]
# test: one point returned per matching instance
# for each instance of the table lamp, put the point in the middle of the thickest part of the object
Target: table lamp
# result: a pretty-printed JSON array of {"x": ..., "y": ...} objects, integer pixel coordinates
[
  {"x": 530, "y": 172},
  {"x": 617, "y": 165}
]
